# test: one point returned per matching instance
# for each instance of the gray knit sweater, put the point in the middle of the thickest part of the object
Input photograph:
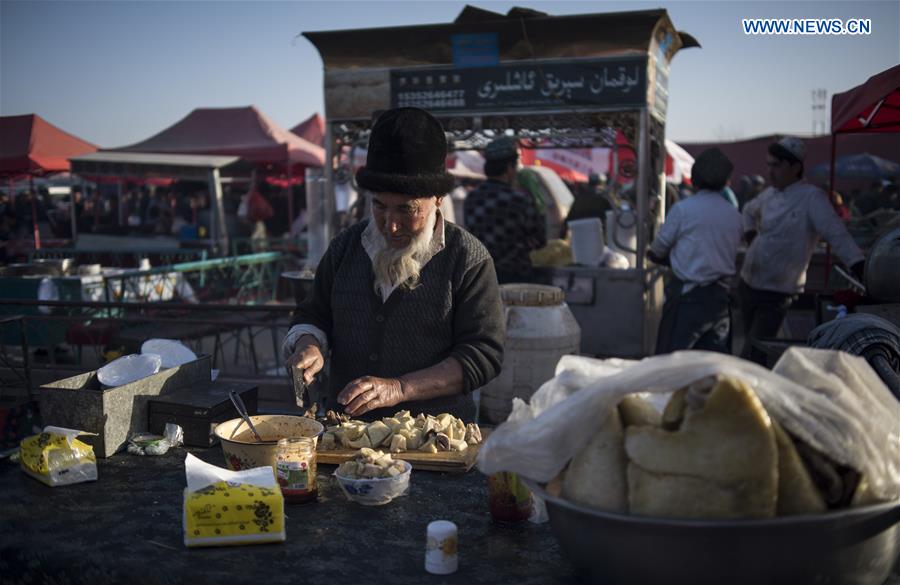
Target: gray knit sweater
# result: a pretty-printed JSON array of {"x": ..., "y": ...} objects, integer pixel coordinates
[{"x": 455, "y": 311}]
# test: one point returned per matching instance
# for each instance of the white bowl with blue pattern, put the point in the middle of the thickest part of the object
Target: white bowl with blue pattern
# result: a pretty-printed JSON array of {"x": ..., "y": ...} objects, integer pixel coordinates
[{"x": 376, "y": 491}]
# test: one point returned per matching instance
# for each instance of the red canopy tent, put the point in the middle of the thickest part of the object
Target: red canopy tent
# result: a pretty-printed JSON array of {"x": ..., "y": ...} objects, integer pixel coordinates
[
  {"x": 312, "y": 129},
  {"x": 871, "y": 107},
  {"x": 245, "y": 132},
  {"x": 30, "y": 146},
  {"x": 868, "y": 108}
]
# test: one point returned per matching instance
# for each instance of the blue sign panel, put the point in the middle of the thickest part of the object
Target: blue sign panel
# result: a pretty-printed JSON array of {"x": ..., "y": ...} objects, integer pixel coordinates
[{"x": 475, "y": 50}]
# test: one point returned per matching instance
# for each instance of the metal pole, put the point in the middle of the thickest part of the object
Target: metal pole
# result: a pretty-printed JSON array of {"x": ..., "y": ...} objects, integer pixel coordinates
[
  {"x": 329, "y": 185},
  {"x": 290, "y": 196},
  {"x": 73, "y": 213},
  {"x": 643, "y": 179},
  {"x": 219, "y": 233},
  {"x": 643, "y": 162},
  {"x": 830, "y": 189},
  {"x": 34, "y": 220},
  {"x": 119, "y": 197}
]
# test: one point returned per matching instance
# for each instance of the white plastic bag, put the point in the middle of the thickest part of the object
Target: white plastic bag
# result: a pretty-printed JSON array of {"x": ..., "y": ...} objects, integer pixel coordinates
[
  {"x": 831, "y": 401},
  {"x": 128, "y": 369}
]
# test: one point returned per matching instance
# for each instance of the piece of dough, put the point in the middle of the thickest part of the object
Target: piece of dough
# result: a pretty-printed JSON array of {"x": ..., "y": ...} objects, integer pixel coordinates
[
  {"x": 596, "y": 475},
  {"x": 635, "y": 410},
  {"x": 378, "y": 432},
  {"x": 797, "y": 494},
  {"x": 727, "y": 441}
]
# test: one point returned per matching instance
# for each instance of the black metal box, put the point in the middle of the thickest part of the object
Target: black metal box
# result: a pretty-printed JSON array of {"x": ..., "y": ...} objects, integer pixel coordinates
[{"x": 199, "y": 409}]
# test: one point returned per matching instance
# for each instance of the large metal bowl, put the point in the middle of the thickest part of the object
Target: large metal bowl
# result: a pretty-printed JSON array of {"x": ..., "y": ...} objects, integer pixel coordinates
[{"x": 856, "y": 546}]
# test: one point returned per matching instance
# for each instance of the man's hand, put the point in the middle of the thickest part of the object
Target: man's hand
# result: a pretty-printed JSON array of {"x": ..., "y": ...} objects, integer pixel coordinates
[
  {"x": 308, "y": 357},
  {"x": 662, "y": 261},
  {"x": 368, "y": 393},
  {"x": 859, "y": 271}
]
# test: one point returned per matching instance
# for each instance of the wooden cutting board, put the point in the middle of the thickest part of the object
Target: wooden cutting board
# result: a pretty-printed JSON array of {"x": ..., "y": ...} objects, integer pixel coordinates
[{"x": 446, "y": 461}]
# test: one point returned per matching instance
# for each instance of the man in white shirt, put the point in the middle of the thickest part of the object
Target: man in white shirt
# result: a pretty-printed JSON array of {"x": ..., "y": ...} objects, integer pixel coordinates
[
  {"x": 783, "y": 225},
  {"x": 699, "y": 240}
]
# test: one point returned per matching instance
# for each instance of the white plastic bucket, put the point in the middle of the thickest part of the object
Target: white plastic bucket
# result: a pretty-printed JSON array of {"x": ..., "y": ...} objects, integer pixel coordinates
[
  {"x": 588, "y": 248},
  {"x": 540, "y": 329}
]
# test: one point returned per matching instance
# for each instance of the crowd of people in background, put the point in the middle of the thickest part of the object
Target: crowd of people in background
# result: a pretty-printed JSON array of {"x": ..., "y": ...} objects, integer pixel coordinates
[
  {"x": 182, "y": 210},
  {"x": 508, "y": 216}
]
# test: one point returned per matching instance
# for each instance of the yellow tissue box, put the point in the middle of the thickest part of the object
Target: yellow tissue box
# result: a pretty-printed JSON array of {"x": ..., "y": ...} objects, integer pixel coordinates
[
  {"x": 227, "y": 513},
  {"x": 56, "y": 457}
]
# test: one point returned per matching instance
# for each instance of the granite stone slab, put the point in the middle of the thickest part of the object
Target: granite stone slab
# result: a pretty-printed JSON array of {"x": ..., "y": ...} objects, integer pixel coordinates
[{"x": 81, "y": 402}]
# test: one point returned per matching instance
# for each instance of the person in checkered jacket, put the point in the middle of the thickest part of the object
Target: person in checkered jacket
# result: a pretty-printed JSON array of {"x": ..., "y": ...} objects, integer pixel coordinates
[{"x": 506, "y": 221}]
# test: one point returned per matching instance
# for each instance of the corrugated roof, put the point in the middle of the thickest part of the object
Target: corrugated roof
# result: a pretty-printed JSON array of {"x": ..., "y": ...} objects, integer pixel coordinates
[{"x": 522, "y": 35}]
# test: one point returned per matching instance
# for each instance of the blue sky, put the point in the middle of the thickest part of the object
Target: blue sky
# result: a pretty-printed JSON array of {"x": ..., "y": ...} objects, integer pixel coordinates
[{"x": 116, "y": 72}]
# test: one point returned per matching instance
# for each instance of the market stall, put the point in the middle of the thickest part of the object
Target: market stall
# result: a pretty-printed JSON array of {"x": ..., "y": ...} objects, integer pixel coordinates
[
  {"x": 32, "y": 147},
  {"x": 243, "y": 132},
  {"x": 549, "y": 81},
  {"x": 207, "y": 168}
]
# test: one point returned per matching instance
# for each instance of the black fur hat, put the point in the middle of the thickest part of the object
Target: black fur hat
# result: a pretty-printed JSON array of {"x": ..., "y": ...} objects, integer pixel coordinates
[{"x": 407, "y": 155}]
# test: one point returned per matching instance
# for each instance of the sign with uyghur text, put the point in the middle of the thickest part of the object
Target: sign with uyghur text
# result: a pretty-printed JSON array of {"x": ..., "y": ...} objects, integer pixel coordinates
[{"x": 593, "y": 83}]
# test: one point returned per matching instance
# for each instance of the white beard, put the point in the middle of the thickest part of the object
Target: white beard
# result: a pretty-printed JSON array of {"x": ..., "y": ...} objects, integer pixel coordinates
[{"x": 400, "y": 268}]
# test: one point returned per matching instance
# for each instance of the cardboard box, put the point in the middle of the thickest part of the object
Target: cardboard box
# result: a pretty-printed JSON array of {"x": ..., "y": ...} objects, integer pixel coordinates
[
  {"x": 115, "y": 414},
  {"x": 199, "y": 409}
]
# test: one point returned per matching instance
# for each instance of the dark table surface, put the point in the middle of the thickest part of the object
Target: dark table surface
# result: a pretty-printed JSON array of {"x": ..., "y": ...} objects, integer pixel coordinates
[{"x": 127, "y": 528}]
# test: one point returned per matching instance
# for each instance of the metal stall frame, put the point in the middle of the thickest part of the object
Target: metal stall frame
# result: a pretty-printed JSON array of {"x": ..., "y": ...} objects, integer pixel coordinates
[{"x": 548, "y": 81}]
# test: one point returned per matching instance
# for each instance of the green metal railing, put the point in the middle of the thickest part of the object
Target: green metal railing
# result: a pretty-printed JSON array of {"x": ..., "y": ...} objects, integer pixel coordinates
[
  {"x": 247, "y": 279},
  {"x": 129, "y": 257},
  {"x": 294, "y": 246}
]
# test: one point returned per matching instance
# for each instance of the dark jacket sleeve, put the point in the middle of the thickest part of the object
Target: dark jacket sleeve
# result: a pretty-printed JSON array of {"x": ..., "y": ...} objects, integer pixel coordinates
[
  {"x": 478, "y": 326},
  {"x": 315, "y": 309}
]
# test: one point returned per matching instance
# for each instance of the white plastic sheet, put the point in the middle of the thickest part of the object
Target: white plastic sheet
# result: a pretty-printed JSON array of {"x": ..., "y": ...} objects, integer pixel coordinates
[{"x": 830, "y": 400}]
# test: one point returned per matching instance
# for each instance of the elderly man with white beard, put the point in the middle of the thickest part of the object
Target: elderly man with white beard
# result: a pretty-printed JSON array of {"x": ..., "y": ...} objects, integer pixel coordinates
[{"x": 405, "y": 305}]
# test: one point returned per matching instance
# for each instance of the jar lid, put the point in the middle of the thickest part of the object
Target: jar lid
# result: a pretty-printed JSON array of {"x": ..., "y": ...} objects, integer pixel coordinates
[{"x": 531, "y": 295}]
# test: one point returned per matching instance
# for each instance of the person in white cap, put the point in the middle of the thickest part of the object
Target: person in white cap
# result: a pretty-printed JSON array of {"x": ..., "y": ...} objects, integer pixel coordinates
[{"x": 783, "y": 225}]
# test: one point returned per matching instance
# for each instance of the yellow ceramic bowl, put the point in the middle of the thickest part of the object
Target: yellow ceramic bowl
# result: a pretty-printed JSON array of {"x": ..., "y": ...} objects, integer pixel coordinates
[{"x": 243, "y": 451}]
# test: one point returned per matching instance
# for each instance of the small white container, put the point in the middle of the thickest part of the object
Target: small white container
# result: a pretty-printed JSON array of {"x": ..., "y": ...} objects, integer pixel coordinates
[{"x": 441, "y": 548}]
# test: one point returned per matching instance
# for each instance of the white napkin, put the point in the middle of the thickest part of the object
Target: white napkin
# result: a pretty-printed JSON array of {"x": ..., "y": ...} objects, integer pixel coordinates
[
  {"x": 69, "y": 434},
  {"x": 201, "y": 474}
]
